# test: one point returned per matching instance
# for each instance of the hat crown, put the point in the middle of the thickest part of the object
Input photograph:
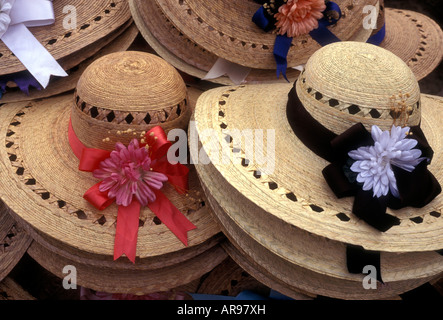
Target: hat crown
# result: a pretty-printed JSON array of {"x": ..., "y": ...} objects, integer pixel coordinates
[
  {"x": 350, "y": 82},
  {"x": 127, "y": 92}
]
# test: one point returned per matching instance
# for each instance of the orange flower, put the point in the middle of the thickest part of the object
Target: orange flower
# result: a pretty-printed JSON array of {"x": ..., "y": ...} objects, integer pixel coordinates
[{"x": 298, "y": 17}]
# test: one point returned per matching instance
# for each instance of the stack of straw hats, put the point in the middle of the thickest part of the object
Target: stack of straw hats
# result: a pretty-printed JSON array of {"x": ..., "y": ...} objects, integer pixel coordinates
[
  {"x": 82, "y": 32},
  {"x": 118, "y": 97},
  {"x": 193, "y": 36},
  {"x": 285, "y": 224},
  {"x": 14, "y": 242}
]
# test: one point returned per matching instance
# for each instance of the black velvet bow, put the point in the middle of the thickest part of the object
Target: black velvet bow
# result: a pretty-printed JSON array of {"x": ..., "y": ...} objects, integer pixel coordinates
[{"x": 416, "y": 188}]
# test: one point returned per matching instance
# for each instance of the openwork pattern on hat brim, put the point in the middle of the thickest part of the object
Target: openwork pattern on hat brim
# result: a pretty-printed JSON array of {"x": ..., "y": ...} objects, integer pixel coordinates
[
  {"x": 415, "y": 38},
  {"x": 283, "y": 194},
  {"x": 48, "y": 187},
  {"x": 118, "y": 41},
  {"x": 225, "y": 29},
  {"x": 182, "y": 52},
  {"x": 95, "y": 20},
  {"x": 14, "y": 242},
  {"x": 294, "y": 247}
]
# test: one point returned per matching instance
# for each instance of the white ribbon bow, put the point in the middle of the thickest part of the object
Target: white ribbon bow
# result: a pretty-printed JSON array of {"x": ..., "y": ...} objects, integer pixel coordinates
[{"x": 15, "y": 17}]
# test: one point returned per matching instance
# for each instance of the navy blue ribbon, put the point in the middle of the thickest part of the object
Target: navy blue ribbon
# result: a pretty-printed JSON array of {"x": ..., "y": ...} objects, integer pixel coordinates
[
  {"x": 283, "y": 43},
  {"x": 378, "y": 38}
]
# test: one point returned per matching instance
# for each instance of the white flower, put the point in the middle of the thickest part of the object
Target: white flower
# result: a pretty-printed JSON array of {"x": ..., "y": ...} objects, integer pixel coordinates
[
  {"x": 5, "y": 20},
  {"x": 374, "y": 163}
]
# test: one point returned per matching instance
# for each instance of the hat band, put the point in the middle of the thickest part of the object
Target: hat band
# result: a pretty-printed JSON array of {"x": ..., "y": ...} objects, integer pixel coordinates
[
  {"x": 92, "y": 160},
  {"x": 416, "y": 188}
]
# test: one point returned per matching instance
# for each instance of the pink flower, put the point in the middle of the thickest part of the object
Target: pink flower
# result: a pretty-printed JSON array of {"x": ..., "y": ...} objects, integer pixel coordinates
[
  {"x": 298, "y": 17},
  {"x": 127, "y": 173}
]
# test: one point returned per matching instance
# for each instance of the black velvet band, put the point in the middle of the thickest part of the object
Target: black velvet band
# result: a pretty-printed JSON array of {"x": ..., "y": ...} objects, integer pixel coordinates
[{"x": 416, "y": 188}]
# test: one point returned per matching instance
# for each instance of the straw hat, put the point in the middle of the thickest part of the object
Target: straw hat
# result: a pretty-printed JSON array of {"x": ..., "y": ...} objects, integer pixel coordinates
[
  {"x": 178, "y": 32},
  {"x": 117, "y": 98},
  {"x": 14, "y": 242},
  {"x": 75, "y": 65},
  {"x": 274, "y": 213},
  {"x": 414, "y": 37},
  {"x": 192, "y": 36},
  {"x": 94, "y": 21}
]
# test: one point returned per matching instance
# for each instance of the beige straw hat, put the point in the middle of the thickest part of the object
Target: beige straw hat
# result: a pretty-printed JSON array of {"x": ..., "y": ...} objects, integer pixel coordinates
[
  {"x": 75, "y": 65},
  {"x": 118, "y": 97},
  {"x": 280, "y": 223},
  {"x": 179, "y": 35},
  {"x": 177, "y": 31},
  {"x": 14, "y": 242},
  {"x": 414, "y": 37},
  {"x": 94, "y": 21}
]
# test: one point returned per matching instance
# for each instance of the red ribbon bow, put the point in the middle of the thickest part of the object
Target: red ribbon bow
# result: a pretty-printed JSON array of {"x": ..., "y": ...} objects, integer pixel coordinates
[{"x": 128, "y": 217}]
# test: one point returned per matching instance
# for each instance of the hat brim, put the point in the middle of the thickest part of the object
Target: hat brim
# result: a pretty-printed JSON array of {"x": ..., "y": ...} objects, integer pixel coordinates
[
  {"x": 187, "y": 57},
  {"x": 130, "y": 281},
  {"x": 282, "y": 255},
  {"x": 118, "y": 41},
  {"x": 94, "y": 20},
  {"x": 282, "y": 196},
  {"x": 45, "y": 188},
  {"x": 415, "y": 38},
  {"x": 226, "y": 30},
  {"x": 14, "y": 242}
]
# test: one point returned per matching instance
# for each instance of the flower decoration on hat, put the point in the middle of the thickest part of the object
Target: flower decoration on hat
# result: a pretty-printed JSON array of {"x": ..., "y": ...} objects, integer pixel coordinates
[
  {"x": 297, "y": 17},
  {"x": 382, "y": 169},
  {"x": 127, "y": 174},
  {"x": 293, "y": 18},
  {"x": 132, "y": 176},
  {"x": 373, "y": 164}
]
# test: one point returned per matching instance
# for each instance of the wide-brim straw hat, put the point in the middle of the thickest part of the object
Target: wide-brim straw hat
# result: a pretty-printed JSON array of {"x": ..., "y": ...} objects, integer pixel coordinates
[
  {"x": 414, "y": 37},
  {"x": 14, "y": 242},
  {"x": 117, "y": 98},
  {"x": 94, "y": 21},
  {"x": 290, "y": 213},
  {"x": 75, "y": 65},
  {"x": 192, "y": 36},
  {"x": 180, "y": 37}
]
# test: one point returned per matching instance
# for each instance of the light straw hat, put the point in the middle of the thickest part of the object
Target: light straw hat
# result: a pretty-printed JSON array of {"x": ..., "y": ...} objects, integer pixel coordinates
[
  {"x": 75, "y": 65},
  {"x": 118, "y": 98},
  {"x": 414, "y": 37},
  {"x": 14, "y": 242},
  {"x": 192, "y": 37},
  {"x": 93, "y": 21},
  {"x": 286, "y": 216}
]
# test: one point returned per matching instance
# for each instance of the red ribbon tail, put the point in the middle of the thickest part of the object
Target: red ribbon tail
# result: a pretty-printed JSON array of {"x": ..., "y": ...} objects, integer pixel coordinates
[
  {"x": 171, "y": 217},
  {"x": 127, "y": 231}
]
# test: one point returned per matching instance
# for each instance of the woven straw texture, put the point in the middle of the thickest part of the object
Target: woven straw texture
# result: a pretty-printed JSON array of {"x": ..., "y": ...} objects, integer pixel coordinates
[
  {"x": 95, "y": 20},
  {"x": 263, "y": 107},
  {"x": 47, "y": 194},
  {"x": 415, "y": 38},
  {"x": 78, "y": 62},
  {"x": 292, "y": 261},
  {"x": 274, "y": 217},
  {"x": 13, "y": 242},
  {"x": 127, "y": 281},
  {"x": 187, "y": 56},
  {"x": 226, "y": 30}
]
